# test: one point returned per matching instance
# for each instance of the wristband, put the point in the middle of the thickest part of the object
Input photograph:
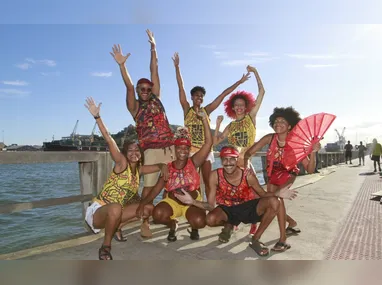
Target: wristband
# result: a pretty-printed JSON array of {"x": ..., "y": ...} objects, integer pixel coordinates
[{"x": 97, "y": 117}]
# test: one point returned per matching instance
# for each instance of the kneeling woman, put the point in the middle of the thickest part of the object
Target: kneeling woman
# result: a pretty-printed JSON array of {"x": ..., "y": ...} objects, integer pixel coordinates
[
  {"x": 118, "y": 201},
  {"x": 183, "y": 174}
]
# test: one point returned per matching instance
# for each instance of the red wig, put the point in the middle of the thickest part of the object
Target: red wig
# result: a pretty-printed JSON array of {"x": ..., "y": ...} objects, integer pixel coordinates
[{"x": 248, "y": 97}]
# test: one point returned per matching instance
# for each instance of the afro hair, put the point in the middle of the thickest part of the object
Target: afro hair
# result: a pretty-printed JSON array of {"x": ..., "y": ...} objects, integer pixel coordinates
[
  {"x": 248, "y": 97},
  {"x": 289, "y": 114}
]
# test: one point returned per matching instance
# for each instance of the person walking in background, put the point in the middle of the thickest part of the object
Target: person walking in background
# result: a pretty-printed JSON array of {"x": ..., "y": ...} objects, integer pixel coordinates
[
  {"x": 348, "y": 152},
  {"x": 361, "y": 153},
  {"x": 375, "y": 154}
]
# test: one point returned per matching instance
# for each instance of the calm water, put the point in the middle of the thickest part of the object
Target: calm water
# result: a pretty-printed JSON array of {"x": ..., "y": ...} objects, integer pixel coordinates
[{"x": 29, "y": 182}]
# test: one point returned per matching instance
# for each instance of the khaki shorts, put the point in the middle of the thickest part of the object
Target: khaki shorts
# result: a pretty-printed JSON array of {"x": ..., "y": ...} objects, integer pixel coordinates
[{"x": 154, "y": 156}]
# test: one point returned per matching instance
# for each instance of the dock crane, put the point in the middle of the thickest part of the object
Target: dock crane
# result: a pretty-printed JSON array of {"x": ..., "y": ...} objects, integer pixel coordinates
[
  {"x": 93, "y": 131},
  {"x": 341, "y": 138},
  {"x": 74, "y": 131}
]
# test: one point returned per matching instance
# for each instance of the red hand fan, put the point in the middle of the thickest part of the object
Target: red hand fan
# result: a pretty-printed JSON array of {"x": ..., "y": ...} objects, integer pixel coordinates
[{"x": 304, "y": 135}]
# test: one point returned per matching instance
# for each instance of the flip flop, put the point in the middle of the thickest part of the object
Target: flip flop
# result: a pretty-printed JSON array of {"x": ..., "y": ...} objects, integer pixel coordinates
[
  {"x": 281, "y": 246},
  {"x": 292, "y": 231},
  {"x": 225, "y": 235},
  {"x": 259, "y": 247}
]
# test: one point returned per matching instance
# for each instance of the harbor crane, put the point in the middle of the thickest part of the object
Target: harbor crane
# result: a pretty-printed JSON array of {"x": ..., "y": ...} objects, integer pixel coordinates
[{"x": 341, "y": 139}]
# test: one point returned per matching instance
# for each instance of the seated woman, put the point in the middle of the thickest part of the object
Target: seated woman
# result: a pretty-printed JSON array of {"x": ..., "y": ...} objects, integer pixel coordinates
[
  {"x": 282, "y": 121},
  {"x": 183, "y": 174},
  {"x": 116, "y": 204}
]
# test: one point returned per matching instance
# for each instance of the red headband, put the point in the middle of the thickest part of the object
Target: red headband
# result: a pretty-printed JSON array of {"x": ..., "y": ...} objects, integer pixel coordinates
[
  {"x": 145, "y": 80},
  {"x": 229, "y": 152},
  {"x": 182, "y": 141}
]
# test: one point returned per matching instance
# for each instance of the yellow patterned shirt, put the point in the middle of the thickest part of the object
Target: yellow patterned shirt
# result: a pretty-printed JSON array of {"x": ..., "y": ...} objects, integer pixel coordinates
[
  {"x": 119, "y": 188},
  {"x": 195, "y": 128},
  {"x": 242, "y": 133}
]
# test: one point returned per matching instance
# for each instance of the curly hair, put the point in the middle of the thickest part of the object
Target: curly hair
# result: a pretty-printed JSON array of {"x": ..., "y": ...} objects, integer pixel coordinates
[
  {"x": 198, "y": 88},
  {"x": 289, "y": 114},
  {"x": 248, "y": 97}
]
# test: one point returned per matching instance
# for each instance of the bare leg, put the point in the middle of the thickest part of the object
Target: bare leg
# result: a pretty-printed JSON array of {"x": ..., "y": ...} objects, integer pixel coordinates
[{"x": 206, "y": 172}]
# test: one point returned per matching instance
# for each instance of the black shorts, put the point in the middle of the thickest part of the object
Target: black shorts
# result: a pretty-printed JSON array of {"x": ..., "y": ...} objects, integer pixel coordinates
[
  {"x": 348, "y": 154},
  {"x": 376, "y": 158},
  {"x": 243, "y": 213}
]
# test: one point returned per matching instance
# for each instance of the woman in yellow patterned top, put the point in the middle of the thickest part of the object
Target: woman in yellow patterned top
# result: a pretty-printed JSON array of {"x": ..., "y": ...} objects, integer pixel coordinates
[
  {"x": 193, "y": 122},
  {"x": 118, "y": 201},
  {"x": 243, "y": 108}
]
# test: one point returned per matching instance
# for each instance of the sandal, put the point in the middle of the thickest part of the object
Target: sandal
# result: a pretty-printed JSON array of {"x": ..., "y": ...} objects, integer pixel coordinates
[
  {"x": 104, "y": 253},
  {"x": 172, "y": 235},
  {"x": 292, "y": 231},
  {"x": 121, "y": 238},
  {"x": 225, "y": 235},
  {"x": 281, "y": 246},
  {"x": 194, "y": 234},
  {"x": 259, "y": 247}
]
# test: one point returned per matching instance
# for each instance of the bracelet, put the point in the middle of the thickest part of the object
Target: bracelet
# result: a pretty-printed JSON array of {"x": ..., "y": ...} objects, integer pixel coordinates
[
  {"x": 97, "y": 117},
  {"x": 153, "y": 49}
]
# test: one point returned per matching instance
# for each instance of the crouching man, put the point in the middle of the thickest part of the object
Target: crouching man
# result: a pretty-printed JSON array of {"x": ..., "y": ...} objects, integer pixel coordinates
[{"x": 240, "y": 199}]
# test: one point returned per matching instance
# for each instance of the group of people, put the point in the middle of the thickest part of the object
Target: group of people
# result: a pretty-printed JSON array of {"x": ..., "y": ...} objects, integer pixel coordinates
[
  {"x": 176, "y": 162},
  {"x": 375, "y": 153}
]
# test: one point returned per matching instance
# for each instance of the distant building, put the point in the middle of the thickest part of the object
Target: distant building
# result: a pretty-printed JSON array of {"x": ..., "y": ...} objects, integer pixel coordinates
[
  {"x": 23, "y": 148},
  {"x": 2, "y": 146}
]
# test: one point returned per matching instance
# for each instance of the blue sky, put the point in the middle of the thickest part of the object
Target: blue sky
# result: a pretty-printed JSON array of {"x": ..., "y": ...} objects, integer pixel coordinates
[{"x": 48, "y": 69}]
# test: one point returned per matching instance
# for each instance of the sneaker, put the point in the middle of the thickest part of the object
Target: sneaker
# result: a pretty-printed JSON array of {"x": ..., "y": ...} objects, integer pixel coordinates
[
  {"x": 253, "y": 229},
  {"x": 194, "y": 234}
]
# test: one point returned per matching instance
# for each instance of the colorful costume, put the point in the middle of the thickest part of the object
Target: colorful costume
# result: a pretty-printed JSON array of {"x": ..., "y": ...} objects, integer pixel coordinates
[
  {"x": 154, "y": 135},
  {"x": 278, "y": 172},
  {"x": 121, "y": 188},
  {"x": 187, "y": 179}
]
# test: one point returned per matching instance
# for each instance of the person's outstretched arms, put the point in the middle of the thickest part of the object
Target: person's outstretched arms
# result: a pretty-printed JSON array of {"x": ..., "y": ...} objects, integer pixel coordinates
[
  {"x": 131, "y": 102},
  {"x": 182, "y": 92},
  {"x": 214, "y": 104},
  {"x": 154, "y": 64},
  {"x": 218, "y": 138},
  {"x": 260, "y": 95},
  {"x": 310, "y": 163},
  {"x": 256, "y": 147},
  {"x": 200, "y": 156},
  {"x": 117, "y": 156}
]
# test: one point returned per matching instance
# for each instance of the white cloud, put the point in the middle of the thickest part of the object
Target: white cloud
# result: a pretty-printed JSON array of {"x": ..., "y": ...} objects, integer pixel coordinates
[
  {"x": 55, "y": 73},
  {"x": 245, "y": 62},
  {"x": 13, "y": 93},
  {"x": 208, "y": 46},
  {"x": 15, "y": 83},
  {"x": 101, "y": 74},
  {"x": 24, "y": 66},
  {"x": 256, "y": 54},
  {"x": 319, "y": 65},
  {"x": 47, "y": 62},
  {"x": 312, "y": 56}
]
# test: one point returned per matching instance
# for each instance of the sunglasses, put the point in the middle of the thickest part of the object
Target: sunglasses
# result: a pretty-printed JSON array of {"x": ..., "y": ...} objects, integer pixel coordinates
[{"x": 144, "y": 89}]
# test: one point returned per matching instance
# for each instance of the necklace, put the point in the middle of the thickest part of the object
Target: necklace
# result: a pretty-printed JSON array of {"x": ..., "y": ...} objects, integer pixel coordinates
[{"x": 280, "y": 141}]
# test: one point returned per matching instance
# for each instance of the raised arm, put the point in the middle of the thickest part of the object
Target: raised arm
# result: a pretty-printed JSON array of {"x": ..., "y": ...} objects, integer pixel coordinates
[
  {"x": 218, "y": 138},
  {"x": 256, "y": 147},
  {"x": 260, "y": 96},
  {"x": 200, "y": 156},
  {"x": 182, "y": 93},
  {"x": 115, "y": 153},
  {"x": 214, "y": 104},
  {"x": 131, "y": 102},
  {"x": 162, "y": 167},
  {"x": 154, "y": 64},
  {"x": 211, "y": 199}
]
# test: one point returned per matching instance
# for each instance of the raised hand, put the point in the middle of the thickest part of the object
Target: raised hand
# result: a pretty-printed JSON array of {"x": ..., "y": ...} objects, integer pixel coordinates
[
  {"x": 175, "y": 59},
  {"x": 287, "y": 193},
  {"x": 91, "y": 106},
  {"x": 244, "y": 78},
  {"x": 151, "y": 38},
  {"x": 219, "y": 119},
  {"x": 200, "y": 114},
  {"x": 316, "y": 147},
  {"x": 118, "y": 55},
  {"x": 185, "y": 198}
]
